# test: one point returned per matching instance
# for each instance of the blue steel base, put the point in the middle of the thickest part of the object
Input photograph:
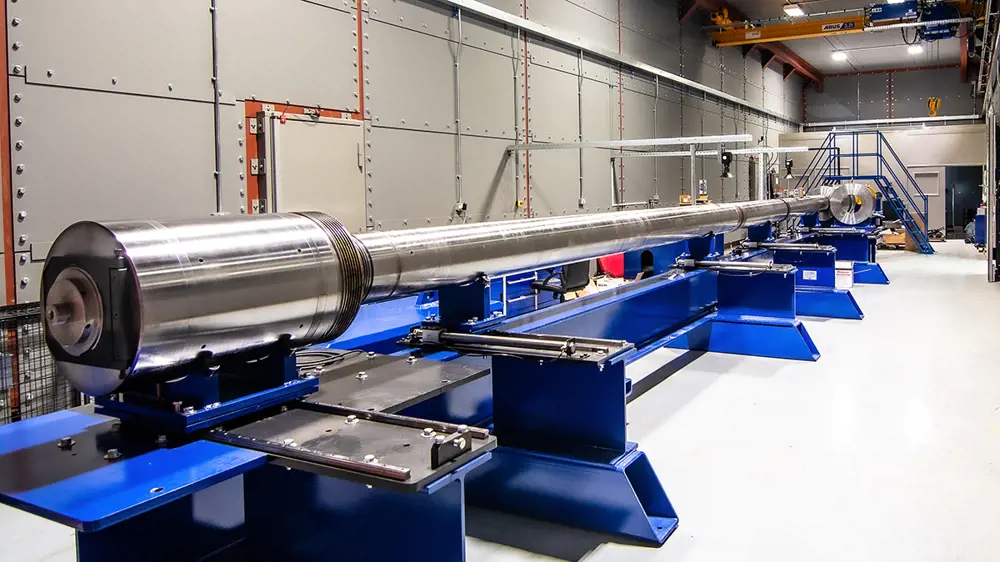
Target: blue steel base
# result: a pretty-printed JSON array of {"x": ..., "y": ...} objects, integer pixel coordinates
[
  {"x": 295, "y": 515},
  {"x": 825, "y": 302},
  {"x": 781, "y": 338},
  {"x": 869, "y": 274},
  {"x": 622, "y": 496}
]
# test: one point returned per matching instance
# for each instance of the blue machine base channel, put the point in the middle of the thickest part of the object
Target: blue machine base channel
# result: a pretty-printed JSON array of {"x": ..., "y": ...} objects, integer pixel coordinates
[
  {"x": 622, "y": 496},
  {"x": 867, "y": 273},
  {"x": 825, "y": 302},
  {"x": 780, "y": 338}
]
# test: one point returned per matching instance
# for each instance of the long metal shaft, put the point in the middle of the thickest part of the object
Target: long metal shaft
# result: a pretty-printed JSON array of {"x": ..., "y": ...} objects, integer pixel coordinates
[
  {"x": 406, "y": 262},
  {"x": 188, "y": 289}
]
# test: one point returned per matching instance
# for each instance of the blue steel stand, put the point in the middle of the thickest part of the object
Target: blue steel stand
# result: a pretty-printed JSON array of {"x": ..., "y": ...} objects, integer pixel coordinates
[
  {"x": 756, "y": 316},
  {"x": 816, "y": 293},
  {"x": 332, "y": 518},
  {"x": 563, "y": 455}
]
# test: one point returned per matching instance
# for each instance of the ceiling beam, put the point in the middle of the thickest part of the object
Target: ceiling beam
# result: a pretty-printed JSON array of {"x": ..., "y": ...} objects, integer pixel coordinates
[
  {"x": 687, "y": 9},
  {"x": 893, "y": 70},
  {"x": 788, "y": 70},
  {"x": 777, "y": 49}
]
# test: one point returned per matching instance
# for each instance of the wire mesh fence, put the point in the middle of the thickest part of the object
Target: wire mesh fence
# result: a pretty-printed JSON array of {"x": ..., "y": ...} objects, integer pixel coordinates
[{"x": 29, "y": 385}]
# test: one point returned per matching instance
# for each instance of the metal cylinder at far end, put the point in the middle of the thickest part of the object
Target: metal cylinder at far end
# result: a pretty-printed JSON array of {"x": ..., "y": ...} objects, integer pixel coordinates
[{"x": 135, "y": 300}]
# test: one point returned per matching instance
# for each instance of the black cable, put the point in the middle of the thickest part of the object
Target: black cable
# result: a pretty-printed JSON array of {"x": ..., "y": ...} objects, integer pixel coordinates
[{"x": 321, "y": 358}]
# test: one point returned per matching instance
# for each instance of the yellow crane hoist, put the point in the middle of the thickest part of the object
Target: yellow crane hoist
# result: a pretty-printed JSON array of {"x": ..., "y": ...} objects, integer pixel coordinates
[{"x": 933, "y": 105}]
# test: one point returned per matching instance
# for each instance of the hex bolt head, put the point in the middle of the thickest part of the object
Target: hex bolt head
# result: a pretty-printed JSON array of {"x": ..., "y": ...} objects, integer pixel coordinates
[
  {"x": 22, "y": 215},
  {"x": 15, "y": 22},
  {"x": 113, "y": 455},
  {"x": 17, "y": 98},
  {"x": 22, "y": 239},
  {"x": 20, "y": 192},
  {"x": 20, "y": 168},
  {"x": 66, "y": 442},
  {"x": 463, "y": 428},
  {"x": 23, "y": 259},
  {"x": 428, "y": 432},
  {"x": 16, "y": 46},
  {"x": 19, "y": 145},
  {"x": 371, "y": 355},
  {"x": 50, "y": 73},
  {"x": 18, "y": 121},
  {"x": 17, "y": 69},
  {"x": 362, "y": 375},
  {"x": 114, "y": 80},
  {"x": 161, "y": 441},
  {"x": 351, "y": 419},
  {"x": 24, "y": 282},
  {"x": 187, "y": 410},
  {"x": 439, "y": 438},
  {"x": 370, "y": 458}
]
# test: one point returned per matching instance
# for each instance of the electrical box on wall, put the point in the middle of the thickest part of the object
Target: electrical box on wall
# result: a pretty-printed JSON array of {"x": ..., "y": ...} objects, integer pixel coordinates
[{"x": 312, "y": 163}]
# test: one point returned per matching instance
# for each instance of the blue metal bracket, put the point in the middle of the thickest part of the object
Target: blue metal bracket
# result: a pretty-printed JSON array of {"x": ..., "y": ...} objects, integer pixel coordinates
[
  {"x": 756, "y": 316},
  {"x": 816, "y": 293},
  {"x": 333, "y": 518},
  {"x": 563, "y": 423},
  {"x": 869, "y": 273}
]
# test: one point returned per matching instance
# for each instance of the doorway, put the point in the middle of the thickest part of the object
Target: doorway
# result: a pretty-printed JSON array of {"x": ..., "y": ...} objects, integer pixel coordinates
[{"x": 963, "y": 195}]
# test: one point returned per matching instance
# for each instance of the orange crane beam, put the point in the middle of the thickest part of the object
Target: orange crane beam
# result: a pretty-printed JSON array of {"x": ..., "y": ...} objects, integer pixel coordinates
[{"x": 788, "y": 31}]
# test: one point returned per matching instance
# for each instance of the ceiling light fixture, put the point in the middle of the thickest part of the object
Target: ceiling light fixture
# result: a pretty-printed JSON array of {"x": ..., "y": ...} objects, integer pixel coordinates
[
  {"x": 896, "y": 1},
  {"x": 794, "y": 11},
  {"x": 839, "y": 56},
  {"x": 915, "y": 49}
]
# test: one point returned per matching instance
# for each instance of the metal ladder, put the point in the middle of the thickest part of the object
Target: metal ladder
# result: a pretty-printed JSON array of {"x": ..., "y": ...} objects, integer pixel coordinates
[{"x": 833, "y": 164}]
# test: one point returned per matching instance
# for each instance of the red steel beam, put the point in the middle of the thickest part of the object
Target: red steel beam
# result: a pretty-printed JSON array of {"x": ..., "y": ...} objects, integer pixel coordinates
[
  {"x": 964, "y": 65},
  {"x": 688, "y": 10}
]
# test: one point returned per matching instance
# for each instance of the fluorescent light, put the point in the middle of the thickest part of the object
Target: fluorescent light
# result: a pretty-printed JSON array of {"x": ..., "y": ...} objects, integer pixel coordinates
[
  {"x": 915, "y": 49},
  {"x": 794, "y": 11},
  {"x": 896, "y": 1},
  {"x": 839, "y": 56}
]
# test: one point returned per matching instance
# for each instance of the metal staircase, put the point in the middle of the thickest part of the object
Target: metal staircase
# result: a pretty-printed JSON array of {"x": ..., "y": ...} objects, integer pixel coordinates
[{"x": 862, "y": 156}]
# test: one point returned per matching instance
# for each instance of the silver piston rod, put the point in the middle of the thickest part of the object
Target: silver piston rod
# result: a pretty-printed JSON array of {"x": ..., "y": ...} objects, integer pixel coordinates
[{"x": 136, "y": 300}]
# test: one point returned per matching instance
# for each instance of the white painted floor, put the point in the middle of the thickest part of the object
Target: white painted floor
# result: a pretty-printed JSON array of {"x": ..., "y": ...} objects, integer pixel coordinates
[{"x": 885, "y": 449}]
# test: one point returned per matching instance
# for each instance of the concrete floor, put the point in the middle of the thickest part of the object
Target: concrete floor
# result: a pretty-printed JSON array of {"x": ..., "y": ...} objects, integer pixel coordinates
[{"x": 885, "y": 449}]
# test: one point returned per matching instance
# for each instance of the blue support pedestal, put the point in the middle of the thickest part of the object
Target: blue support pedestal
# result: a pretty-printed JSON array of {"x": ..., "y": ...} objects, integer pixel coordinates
[
  {"x": 827, "y": 302},
  {"x": 621, "y": 496},
  {"x": 869, "y": 274},
  {"x": 780, "y": 338},
  {"x": 332, "y": 519},
  {"x": 816, "y": 293},
  {"x": 563, "y": 455},
  {"x": 756, "y": 316}
]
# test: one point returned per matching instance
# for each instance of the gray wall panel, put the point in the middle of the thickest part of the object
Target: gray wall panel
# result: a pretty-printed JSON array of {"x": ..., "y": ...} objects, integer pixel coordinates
[
  {"x": 605, "y": 8},
  {"x": 656, "y": 20},
  {"x": 644, "y": 48},
  {"x": 774, "y": 81},
  {"x": 411, "y": 79},
  {"x": 579, "y": 22},
  {"x": 638, "y": 112},
  {"x": 553, "y": 110},
  {"x": 256, "y": 53},
  {"x": 553, "y": 56},
  {"x": 555, "y": 183},
  {"x": 57, "y": 47},
  {"x": 600, "y": 102},
  {"x": 488, "y": 179},
  {"x": 488, "y": 94},
  {"x": 412, "y": 175},
  {"x": 92, "y": 155}
]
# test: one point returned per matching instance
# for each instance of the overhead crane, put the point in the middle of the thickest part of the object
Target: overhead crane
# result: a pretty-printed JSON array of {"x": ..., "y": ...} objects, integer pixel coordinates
[{"x": 938, "y": 20}]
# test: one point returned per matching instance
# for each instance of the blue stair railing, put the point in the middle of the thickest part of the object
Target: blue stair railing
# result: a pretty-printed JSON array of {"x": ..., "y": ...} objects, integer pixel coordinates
[{"x": 882, "y": 166}]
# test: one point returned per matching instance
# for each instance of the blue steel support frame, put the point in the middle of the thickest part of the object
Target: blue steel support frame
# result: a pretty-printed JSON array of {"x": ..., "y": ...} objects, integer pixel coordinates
[
  {"x": 756, "y": 316},
  {"x": 858, "y": 248},
  {"x": 563, "y": 454},
  {"x": 815, "y": 290}
]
